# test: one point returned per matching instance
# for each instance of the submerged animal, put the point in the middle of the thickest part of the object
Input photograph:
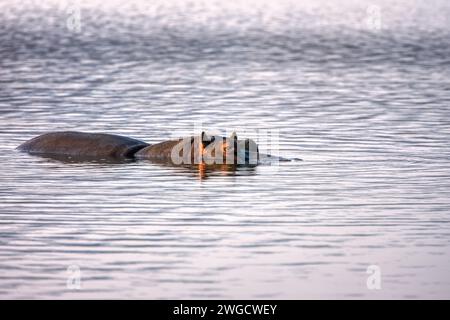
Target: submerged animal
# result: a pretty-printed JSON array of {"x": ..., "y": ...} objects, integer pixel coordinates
[
  {"x": 81, "y": 144},
  {"x": 204, "y": 148}
]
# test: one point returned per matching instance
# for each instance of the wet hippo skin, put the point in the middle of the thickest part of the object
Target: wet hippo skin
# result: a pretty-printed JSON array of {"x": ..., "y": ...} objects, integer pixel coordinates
[
  {"x": 80, "y": 144},
  {"x": 194, "y": 149},
  {"x": 161, "y": 151}
]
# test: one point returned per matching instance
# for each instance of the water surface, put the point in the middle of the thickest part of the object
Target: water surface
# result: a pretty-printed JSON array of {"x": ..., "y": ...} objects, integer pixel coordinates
[{"x": 367, "y": 110}]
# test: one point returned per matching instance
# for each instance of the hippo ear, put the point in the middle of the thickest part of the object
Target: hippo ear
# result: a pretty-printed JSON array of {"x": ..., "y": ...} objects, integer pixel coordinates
[
  {"x": 234, "y": 135},
  {"x": 206, "y": 139}
]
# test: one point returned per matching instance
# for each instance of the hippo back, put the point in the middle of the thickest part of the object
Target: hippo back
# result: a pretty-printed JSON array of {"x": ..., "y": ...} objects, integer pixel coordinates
[{"x": 80, "y": 144}]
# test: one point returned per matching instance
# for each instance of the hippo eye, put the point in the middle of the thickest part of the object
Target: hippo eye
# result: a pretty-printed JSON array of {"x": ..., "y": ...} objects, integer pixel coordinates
[{"x": 208, "y": 142}]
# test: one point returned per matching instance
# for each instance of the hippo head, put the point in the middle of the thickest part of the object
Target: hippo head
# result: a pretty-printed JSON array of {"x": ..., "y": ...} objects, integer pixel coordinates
[{"x": 228, "y": 150}]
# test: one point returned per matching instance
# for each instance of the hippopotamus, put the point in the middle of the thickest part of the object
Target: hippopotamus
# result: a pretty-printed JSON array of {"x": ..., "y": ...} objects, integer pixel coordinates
[{"x": 202, "y": 149}]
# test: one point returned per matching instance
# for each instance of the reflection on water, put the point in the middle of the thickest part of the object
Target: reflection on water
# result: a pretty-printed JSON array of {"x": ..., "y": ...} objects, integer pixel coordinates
[
  {"x": 202, "y": 170},
  {"x": 67, "y": 159},
  {"x": 366, "y": 109}
]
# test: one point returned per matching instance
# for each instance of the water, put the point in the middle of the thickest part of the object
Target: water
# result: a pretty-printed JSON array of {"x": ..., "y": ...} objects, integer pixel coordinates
[{"x": 367, "y": 110}]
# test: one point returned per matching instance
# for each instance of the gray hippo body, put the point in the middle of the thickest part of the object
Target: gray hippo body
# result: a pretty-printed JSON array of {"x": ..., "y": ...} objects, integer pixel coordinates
[
  {"x": 81, "y": 144},
  {"x": 103, "y": 146}
]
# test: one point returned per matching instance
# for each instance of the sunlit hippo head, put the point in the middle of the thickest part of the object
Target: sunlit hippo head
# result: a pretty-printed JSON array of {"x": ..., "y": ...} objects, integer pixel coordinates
[
  {"x": 228, "y": 150},
  {"x": 206, "y": 149}
]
